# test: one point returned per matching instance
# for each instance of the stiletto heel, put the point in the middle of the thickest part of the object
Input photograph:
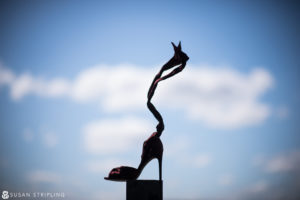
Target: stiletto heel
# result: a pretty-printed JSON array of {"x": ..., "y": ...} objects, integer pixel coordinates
[{"x": 160, "y": 167}]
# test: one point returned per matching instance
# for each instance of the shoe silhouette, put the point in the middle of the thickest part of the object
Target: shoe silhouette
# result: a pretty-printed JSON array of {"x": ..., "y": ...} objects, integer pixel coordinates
[{"x": 153, "y": 147}]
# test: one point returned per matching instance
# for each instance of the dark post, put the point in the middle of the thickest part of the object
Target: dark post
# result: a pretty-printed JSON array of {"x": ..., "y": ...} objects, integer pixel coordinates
[{"x": 144, "y": 190}]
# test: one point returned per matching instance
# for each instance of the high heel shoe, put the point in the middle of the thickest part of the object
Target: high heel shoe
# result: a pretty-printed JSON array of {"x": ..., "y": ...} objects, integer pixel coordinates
[{"x": 152, "y": 148}]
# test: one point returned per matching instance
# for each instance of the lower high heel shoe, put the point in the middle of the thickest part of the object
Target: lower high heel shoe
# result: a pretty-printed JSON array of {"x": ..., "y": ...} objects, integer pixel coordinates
[{"x": 152, "y": 148}]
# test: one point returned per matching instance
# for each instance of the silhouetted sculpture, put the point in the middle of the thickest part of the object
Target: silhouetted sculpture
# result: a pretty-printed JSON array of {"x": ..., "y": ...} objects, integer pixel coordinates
[{"x": 153, "y": 147}]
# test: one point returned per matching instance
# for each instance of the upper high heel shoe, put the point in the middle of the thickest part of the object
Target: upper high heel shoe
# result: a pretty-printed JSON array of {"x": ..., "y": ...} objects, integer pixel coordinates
[{"x": 152, "y": 148}]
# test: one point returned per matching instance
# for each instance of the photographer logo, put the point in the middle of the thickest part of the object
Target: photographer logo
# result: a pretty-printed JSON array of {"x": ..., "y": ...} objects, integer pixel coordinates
[{"x": 5, "y": 194}]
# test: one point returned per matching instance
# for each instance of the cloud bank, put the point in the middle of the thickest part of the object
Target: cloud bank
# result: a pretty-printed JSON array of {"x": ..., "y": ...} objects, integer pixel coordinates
[
  {"x": 285, "y": 162},
  {"x": 123, "y": 133},
  {"x": 42, "y": 176},
  {"x": 217, "y": 97}
]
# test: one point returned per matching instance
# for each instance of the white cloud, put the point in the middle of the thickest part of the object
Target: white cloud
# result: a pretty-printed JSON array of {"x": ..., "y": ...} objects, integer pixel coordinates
[
  {"x": 218, "y": 97},
  {"x": 104, "y": 166},
  {"x": 41, "y": 176},
  {"x": 115, "y": 135},
  {"x": 176, "y": 145},
  {"x": 117, "y": 88},
  {"x": 21, "y": 86},
  {"x": 259, "y": 186},
  {"x": 27, "y": 84},
  {"x": 201, "y": 160},
  {"x": 226, "y": 179},
  {"x": 50, "y": 139},
  {"x": 284, "y": 162},
  {"x": 6, "y": 76},
  {"x": 178, "y": 149}
]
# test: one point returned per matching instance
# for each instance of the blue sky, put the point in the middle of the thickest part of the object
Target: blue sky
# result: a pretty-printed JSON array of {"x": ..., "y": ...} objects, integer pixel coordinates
[{"x": 73, "y": 83}]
